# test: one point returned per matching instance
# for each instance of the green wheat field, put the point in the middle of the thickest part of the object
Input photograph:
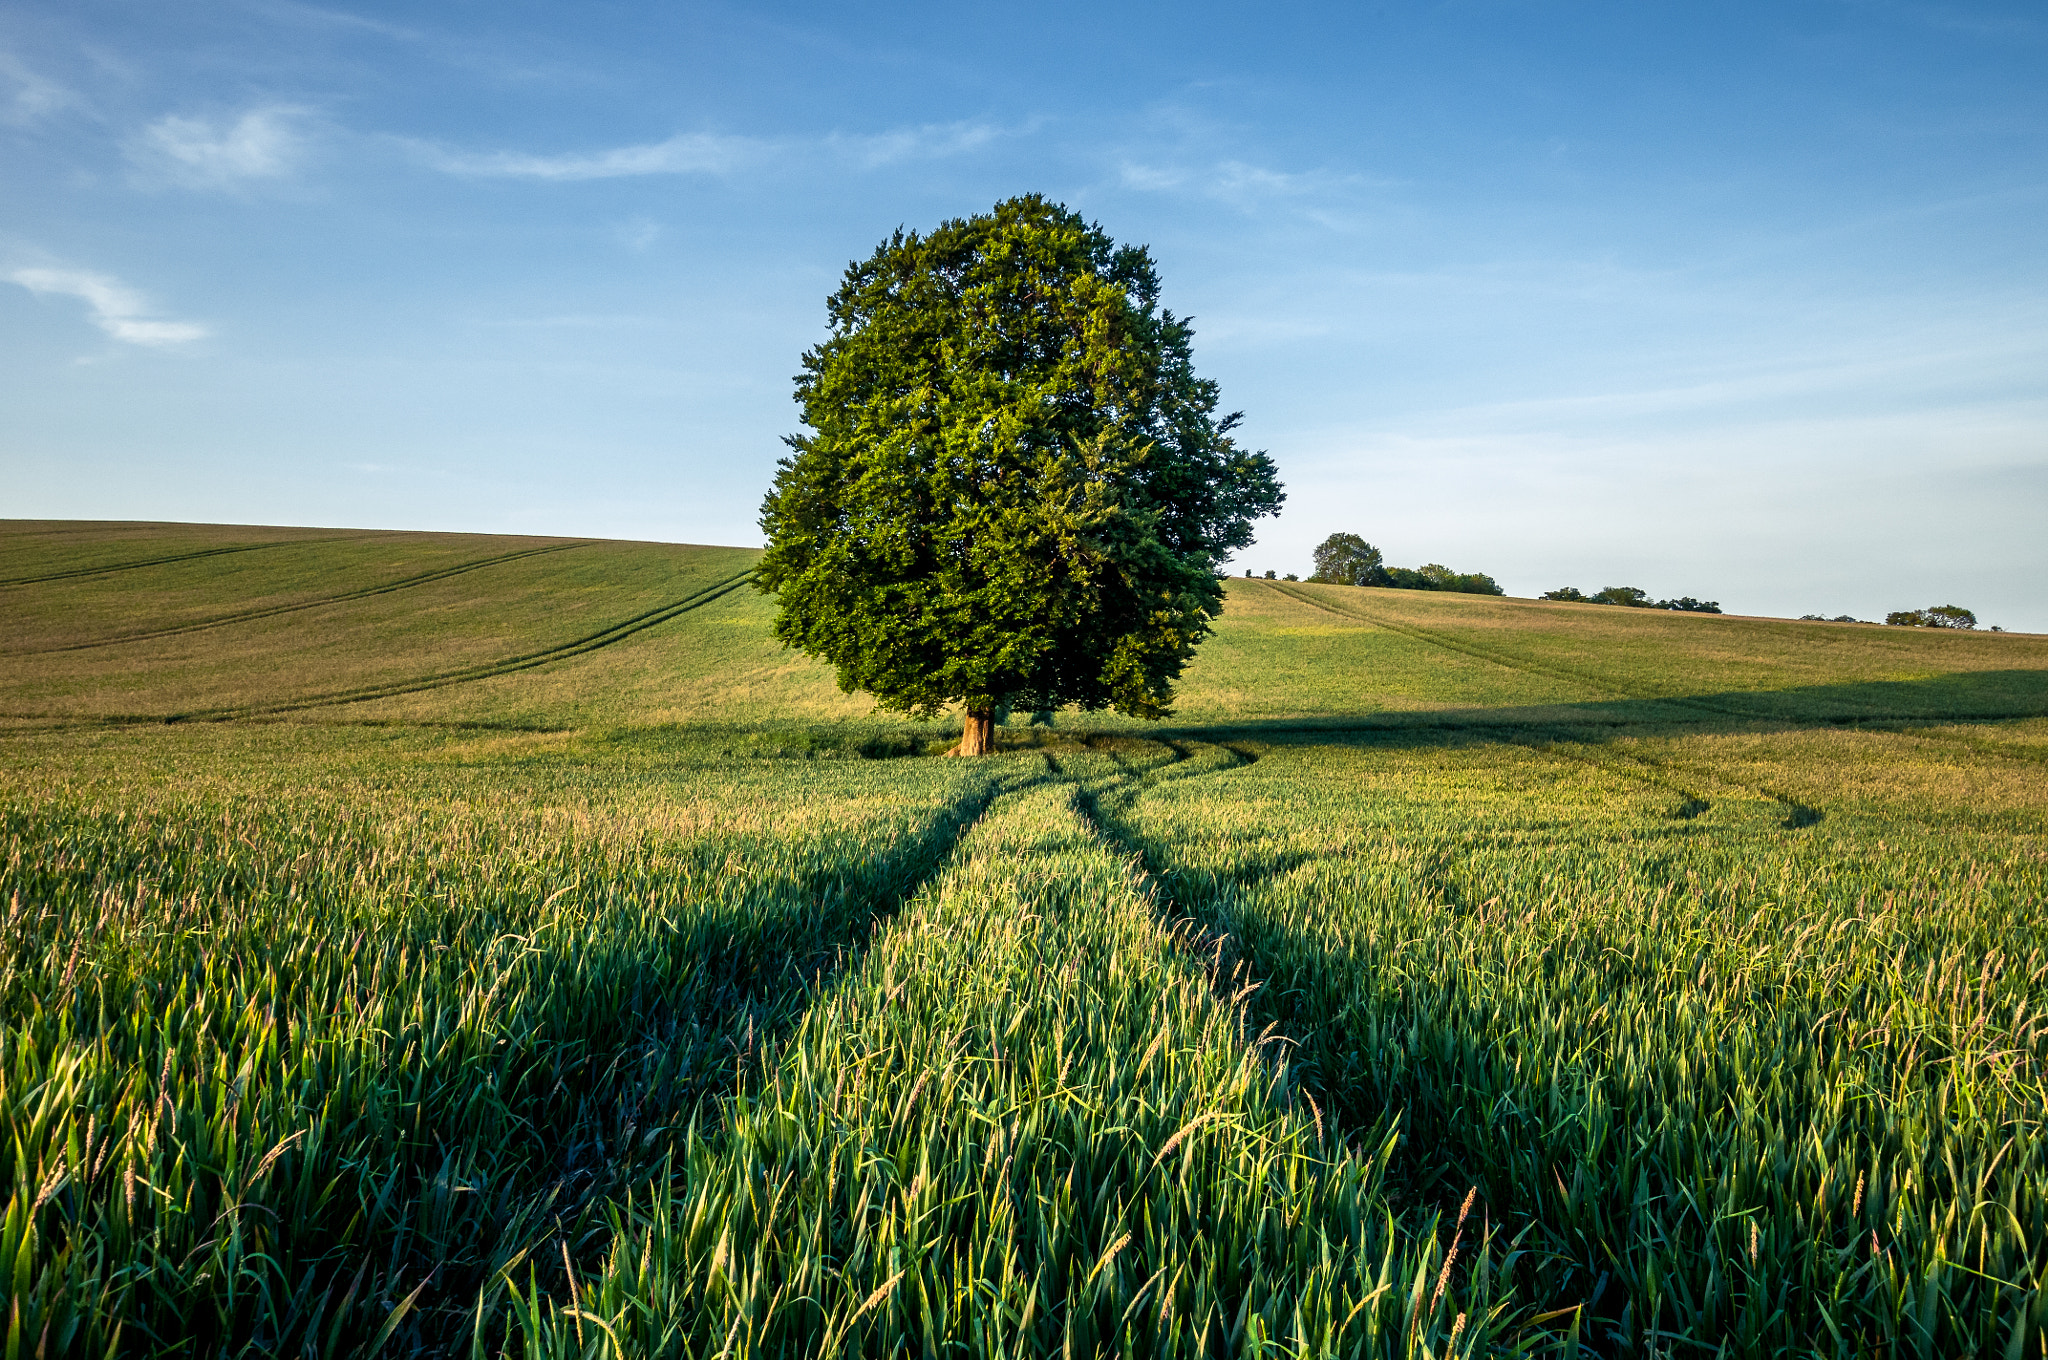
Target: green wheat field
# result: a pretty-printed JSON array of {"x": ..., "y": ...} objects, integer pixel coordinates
[{"x": 464, "y": 945}]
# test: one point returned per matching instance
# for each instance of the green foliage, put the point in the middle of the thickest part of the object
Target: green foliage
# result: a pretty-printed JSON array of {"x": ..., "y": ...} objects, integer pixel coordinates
[
  {"x": 1031, "y": 1124},
  {"x": 1484, "y": 979},
  {"x": 1937, "y": 616},
  {"x": 1347, "y": 560},
  {"x": 1774, "y": 1079},
  {"x": 1632, "y": 597},
  {"x": 1013, "y": 489},
  {"x": 1436, "y": 576}
]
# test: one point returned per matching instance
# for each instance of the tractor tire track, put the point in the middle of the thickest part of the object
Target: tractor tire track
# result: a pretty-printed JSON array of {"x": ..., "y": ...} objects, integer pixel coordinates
[
  {"x": 1505, "y": 662},
  {"x": 1797, "y": 814},
  {"x": 252, "y": 615},
  {"x": 32, "y": 723},
  {"x": 590, "y": 642},
  {"x": 174, "y": 557}
]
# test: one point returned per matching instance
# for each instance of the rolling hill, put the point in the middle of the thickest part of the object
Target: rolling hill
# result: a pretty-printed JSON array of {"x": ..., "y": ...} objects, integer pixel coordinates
[
  {"x": 134, "y": 622},
  {"x": 437, "y": 943}
]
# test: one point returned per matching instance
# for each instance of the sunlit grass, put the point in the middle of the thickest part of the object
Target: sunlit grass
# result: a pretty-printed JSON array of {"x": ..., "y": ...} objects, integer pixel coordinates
[
  {"x": 1451, "y": 976},
  {"x": 1742, "y": 1079},
  {"x": 284, "y": 1055}
]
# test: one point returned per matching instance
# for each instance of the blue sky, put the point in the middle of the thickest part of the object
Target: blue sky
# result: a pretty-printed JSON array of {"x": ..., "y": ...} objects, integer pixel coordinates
[{"x": 1742, "y": 301}]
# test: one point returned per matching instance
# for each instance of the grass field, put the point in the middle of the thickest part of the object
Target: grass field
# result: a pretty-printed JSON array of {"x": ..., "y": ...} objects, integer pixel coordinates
[{"x": 428, "y": 943}]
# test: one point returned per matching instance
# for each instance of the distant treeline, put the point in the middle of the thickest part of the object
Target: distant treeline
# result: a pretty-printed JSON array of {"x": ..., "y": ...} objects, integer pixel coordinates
[
  {"x": 1934, "y": 616},
  {"x": 1632, "y": 598},
  {"x": 1348, "y": 560}
]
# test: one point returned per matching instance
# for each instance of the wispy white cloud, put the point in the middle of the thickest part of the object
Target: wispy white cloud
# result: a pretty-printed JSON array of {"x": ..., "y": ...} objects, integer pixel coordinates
[
  {"x": 116, "y": 308},
  {"x": 1247, "y": 186},
  {"x": 1151, "y": 178},
  {"x": 263, "y": 143},
  {"x": 683, "y": 154},
  {"x": 1251, "y": 331},
  {"x": 1234, "y": 178},
  {"x": 26, "y": 96},
  {"x": 1933, "y": 364},
  {"x": 638, "y": 232},
  {"x": 711, "y": 153},
  {"x": 585, "y": 321},
  {"x": 932, "y": 141},
  {"x": 290, "y": 11}
]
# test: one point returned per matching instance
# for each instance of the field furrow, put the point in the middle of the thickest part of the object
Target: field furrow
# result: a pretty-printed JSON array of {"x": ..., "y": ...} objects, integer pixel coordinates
[
  {"x": 111, "y": 567},
  {"x": 421, "y": 944},
  {"x": 590, "y": 642},
  {"x": 1027, "y": 1124},
  {"x": 1736, "y": 1081},
  {"x": 272, "y": 611}
]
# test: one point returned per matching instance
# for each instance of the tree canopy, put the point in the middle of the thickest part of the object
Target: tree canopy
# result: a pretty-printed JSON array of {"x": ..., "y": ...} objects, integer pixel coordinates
[
  {"x": 1935, "y": 616},
  {"x": 1631, "y": 597},
  {"x": 1013, "y": 491},
  {"x": 1348, "y": 560}
]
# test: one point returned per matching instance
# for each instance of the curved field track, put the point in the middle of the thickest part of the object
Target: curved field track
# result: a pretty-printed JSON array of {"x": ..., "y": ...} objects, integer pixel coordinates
[
  {"x": 269, "y": 611},
  {"x": 603, "y": 637},
  {"x": 221, "y": 632},
  {"x": 147, "y": 562},
  {"x": 435, "y": 943}
]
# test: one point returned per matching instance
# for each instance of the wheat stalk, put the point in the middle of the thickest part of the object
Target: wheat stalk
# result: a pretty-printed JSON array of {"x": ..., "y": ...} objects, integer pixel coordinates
[{"x": 1186, "y": 1129}]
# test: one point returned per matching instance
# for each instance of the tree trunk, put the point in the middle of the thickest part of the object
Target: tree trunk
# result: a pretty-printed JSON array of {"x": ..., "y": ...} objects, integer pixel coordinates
[{"x": 978, "y": 733}]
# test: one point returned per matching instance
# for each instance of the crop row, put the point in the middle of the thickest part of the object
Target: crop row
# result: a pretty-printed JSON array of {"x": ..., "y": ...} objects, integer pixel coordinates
[
  {"x": 1739, "y": 1081},
  {"x": 1412, "y": 1046},
  {"x": 288, "y": 1069},
  {"x": 1033, "y": 1122}
]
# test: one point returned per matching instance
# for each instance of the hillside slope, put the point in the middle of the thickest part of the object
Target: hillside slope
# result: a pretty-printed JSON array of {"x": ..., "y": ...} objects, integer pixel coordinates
[
  {"x": 159, "y": 622},
  {"x": 475, "y": 965}
]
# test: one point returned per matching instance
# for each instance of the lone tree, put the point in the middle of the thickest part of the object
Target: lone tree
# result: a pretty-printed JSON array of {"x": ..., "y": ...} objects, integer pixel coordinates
[
  {"x": 1013, "y": 491},
  {"x": 1348, "y": 560}
]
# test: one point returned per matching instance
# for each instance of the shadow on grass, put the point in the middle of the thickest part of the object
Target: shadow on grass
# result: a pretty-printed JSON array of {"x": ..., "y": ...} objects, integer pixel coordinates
[
  {"x": 432, "y": 1166},
  {"x": 1288, "y": 967},
  {"x": 1964, "y": 697},
  {"x": 1376, "y": 1045},
  {"x": 753, "y": 967}
]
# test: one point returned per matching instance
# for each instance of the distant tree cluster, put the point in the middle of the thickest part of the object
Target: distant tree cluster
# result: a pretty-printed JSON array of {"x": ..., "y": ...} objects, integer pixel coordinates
[
  {"x": 1823, "y": 618},
  {"x": 1938, "y": 616},
  {"x": 1348, "y": 560},
  {"x": 1632, "y": 598}
]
